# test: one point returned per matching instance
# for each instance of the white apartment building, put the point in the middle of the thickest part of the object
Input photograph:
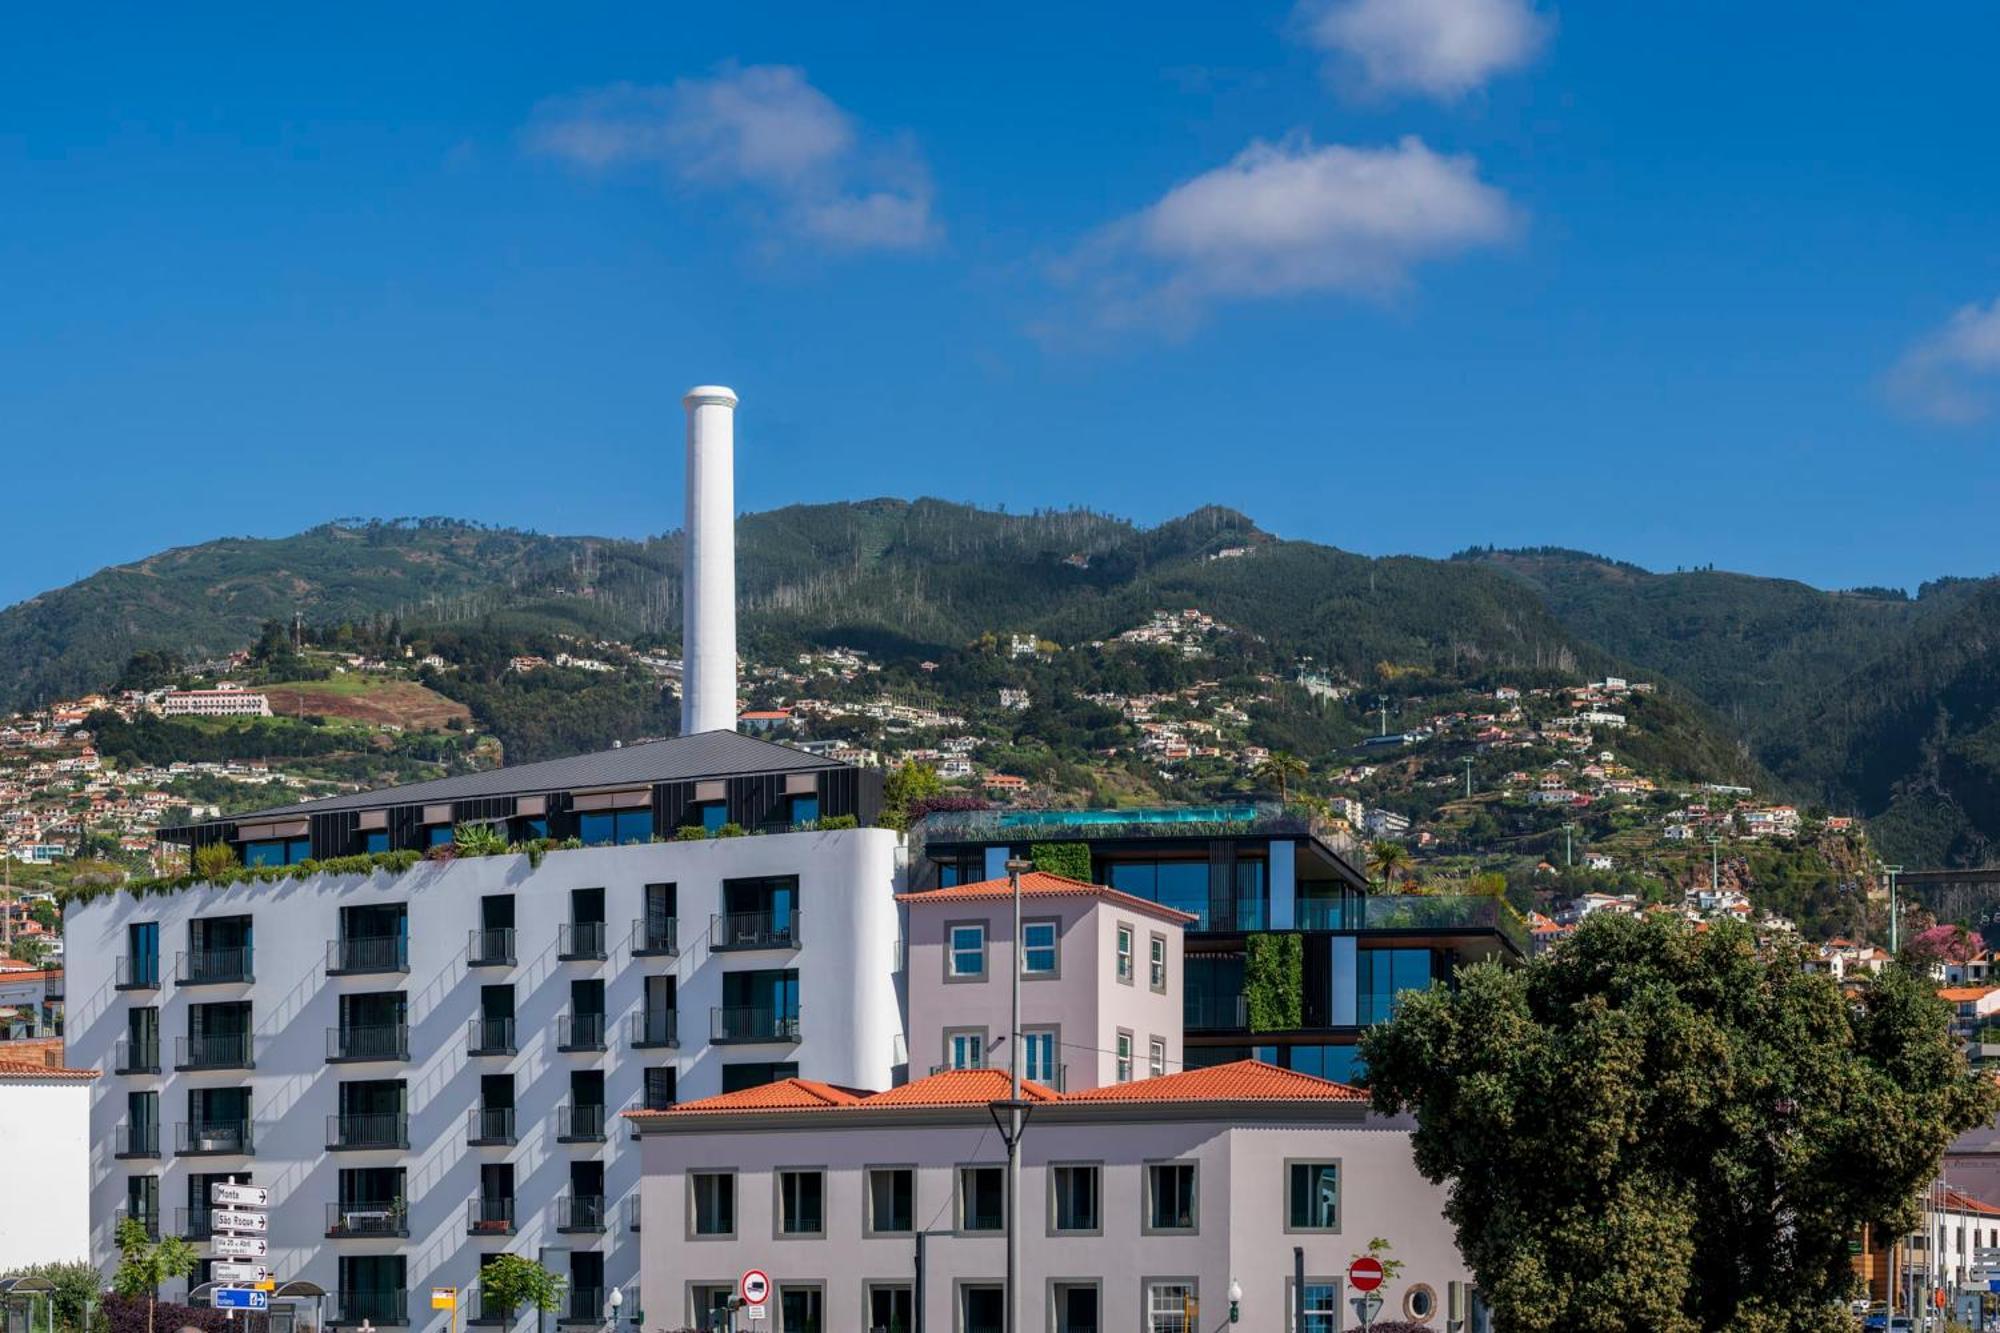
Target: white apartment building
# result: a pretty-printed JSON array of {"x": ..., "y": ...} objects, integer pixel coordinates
[
  {"x": 44, "y": 1128},
  {"x": 225, "y": 700},
  {"x": 425, "y": 1067}
]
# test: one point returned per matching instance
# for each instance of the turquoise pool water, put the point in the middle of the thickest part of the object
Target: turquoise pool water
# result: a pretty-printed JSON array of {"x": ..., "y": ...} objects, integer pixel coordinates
[{"x": 1188, "y": 814}]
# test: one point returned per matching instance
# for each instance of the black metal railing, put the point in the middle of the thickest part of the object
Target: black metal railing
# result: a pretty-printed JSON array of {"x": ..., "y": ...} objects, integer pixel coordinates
[
  {"x": 580, "y": 1123},
  {"x": 213, "y": 967},
  {"x": 728, "y": 1023},
  {"x": 193, "y": 1223},
  {"x": 489, "y": 1036},
  {"x": 580, "y": 1212},
  {"x": 372, "y": 1129},
  {"x": 656, "y": 1027},
  {"x": 580, "y": 1032},
  {"x": 225, "y": 1050},
  {"x": 632, "y": 1211},
  {"x": 489, "y": 1216},
  {"x": 653, "y": 937},
  {"x": 137, "y": 1056},
  {"x": 753, "y": 930},
  {"x": 369, "y": 1041},
  {"x": 197, "y": 1138},
  {"x": 585, "y": 1305},
  {"x": 581, "y": 940},
  {"x": 136, "y": 972},
  {"x": 493, "y": 947},
  {"x": 140, "y": 1140},
  {"x": 490, "y": 1124},
  {"x": 388, "y": 1217},
  {"x": 356, "y": 954},
  {"x": 1208, "y": 1013},
  {"x": 378, "y": 1307}
]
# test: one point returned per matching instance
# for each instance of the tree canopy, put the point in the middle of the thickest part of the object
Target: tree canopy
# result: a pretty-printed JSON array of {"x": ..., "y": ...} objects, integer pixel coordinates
[{"x": 1654, "y": 1127}]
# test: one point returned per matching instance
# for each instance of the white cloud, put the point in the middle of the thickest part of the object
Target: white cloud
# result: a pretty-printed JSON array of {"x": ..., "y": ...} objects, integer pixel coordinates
[
  {"x": 762, "y": 130},
  {"x": 1947, "y": 376},
  {"x": 1442, "y": 48},
  {"x": 1288, "y": 219}
]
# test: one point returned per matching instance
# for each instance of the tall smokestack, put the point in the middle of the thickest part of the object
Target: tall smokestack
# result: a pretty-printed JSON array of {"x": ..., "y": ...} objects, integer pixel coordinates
[{"x": 708, "y": 611}]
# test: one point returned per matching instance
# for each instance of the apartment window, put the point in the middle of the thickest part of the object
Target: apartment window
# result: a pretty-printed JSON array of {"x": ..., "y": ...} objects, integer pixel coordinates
[
  {"x": 714, "y": 1202},
  {"x": 1077, "y": 1306},
  {"x": 373, "y": 1287},
  {"x": 1038, "y": 949},
  {"x": 1170, "y": 1201},
  {"x": 982, "y": 1194},
  {"x": 714, "y": 814},
  {"x": 800, "y": 1309},
  {"x": 1125, "y": 953},
  {"x": 142, "y": 1201},
  {"x": 965, "y": 958},
  {"x": 1124, "y": 1056},
  {"x": 756, "y": 1073},
  {"x": 659, "y": 1088},
  {"x": 805, "y": 810},
  {"x": 710, "y": 1302},
  {"x": 892, "y": 1200},
  {"x": 375, "y": 841},
  {"x": 982, "y": 1308},
  {"x": 801, "y": 1203},
  {"x": 1170, "y": 1307},
  {"x": 605, "y": 828},
  {"x": 1312, "y": 1196},
  {"x": 1156, "y": 1057},
  {"x": 1322, "y": 1302},
  {"x": 141, "y": 967},
  {"x": 891, "y": 1308},
  {"x": 139, "y": 1136},
  {"x": 965, "y": 1049},
  {"x": 1038, "y": 1057},
  {"x": 1073, "y": 1189},
  {"x": 277, "y": 851},
  {"x": 1158, "y": 965}
]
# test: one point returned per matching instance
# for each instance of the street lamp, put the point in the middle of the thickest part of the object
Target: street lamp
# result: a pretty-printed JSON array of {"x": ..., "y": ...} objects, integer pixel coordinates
[
  {"x": 1235, "y": 1300},
  {"x": 1016, "y": 867},
  {"x": 612, "y": 1303}
]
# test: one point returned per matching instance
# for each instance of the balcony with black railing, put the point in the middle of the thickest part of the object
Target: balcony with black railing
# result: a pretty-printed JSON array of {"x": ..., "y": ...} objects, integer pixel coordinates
[
  {"x": 490, "y": 1216},
  {"x": 361, "y": 1220},
  {"x": 360, "y": 955},
  {"x": 380, "y": 1307},
  {"x": 489, "y": 1126},
  {"x": 223, "y": 1050},
  {"x": 732, "y": 1024},
  {"x": 354, "y": 1043},
  {"x": 193, "y": 1223},
  {"x": 656, "y": 1027},
  {"x": 1214, "y": 1013},
  {"x": 489, "y": 1036},
  {"x": 584, "y": 1305},
  {"x": 214, "y": 1138},
  {"x": 493, "y": 947},
  {"x": 753, "y": 930},
  {"x": 216, "y": 967},
  {"x": 581, "y": 942},
  {"x": 580, "y": 1123},
  {"x": 357, "y": 1132},
  {"x": 580, "y": 1032},
  {"x": 632, "y": 1211},
  {"x": 137, "y": 1056},
  {"x": 580, "y": 1212},
  {"x": 136, "y": 972},
  {"x": 655, "y": 937},
  {"x": 137, "y": 1140}
]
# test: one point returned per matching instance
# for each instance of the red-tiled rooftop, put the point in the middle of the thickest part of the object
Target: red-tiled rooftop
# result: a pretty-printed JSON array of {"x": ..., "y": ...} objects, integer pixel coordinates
[
  {"x": 1043, "y": 884},
  {"x": 962, "y": 1087},
  {"x": 1238, "y": 1081},
  {"x": 26, "y": 1070}
]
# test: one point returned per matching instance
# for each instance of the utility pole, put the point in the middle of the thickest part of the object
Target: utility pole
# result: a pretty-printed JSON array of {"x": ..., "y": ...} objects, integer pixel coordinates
[
  {"x": 1714, "y": 862},
  {"x": 1569, "y": 850},
  {"x": 1015, "y": 867},
  {"x": 1468, "y": 777},
  {"x": 1895, "y": 913},
  {"x": 1382, "y": 702}
]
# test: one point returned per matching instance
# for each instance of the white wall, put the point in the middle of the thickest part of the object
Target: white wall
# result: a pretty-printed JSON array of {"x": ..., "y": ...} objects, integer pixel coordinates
[{"x": 45, "y": 1145}]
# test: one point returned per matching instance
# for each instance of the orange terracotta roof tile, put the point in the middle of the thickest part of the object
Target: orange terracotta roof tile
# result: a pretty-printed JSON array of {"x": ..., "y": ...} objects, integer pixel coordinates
[
  {"x": 1238, "y": 1081},
  {"x": 35, "y": 1069},
  {"x": 961, "y": 1087},
  {"x": 791, "y": 1094},
  {"x": 1042, "y": 884},
  {"x": 1965, "y": 994},
  {"x": 1959, "y": 1201}
]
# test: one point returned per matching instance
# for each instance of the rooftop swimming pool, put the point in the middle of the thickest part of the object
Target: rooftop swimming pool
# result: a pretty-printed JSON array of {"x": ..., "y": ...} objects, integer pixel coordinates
[{"x": 1180, "y": 814}]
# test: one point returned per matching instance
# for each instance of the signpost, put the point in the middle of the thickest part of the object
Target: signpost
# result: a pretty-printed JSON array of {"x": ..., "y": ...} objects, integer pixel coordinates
[
  {"x": 237, "y": 1223},
  {"x": 239, "y": 1247},
  {"x": 1364, "y": 1275},
  {"x": 227, "y": 1271},
  {"x": 239, "y": 1196},
  {"x": 755, "y": 1289},
  {"x": 446, "y": 1298},
  {"x": 1366, "y": 1308},
  {"x": 234, "y": 1219},
  {"x": 240, "y": 1298}
]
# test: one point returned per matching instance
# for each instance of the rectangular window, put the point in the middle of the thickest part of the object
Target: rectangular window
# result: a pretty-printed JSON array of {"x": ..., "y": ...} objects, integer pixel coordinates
[
  {"x": 1125, "y": 954},
  {"x": 891, "y": 1308},
  {"x": 437, "y": 835},
  {"x": 1156, "y": 1057},
  {"x": 1170, "y": 1307},
  {"x": 1075, "y": 1189},
  {"x": 714, "y": 1202},
  {"x": 801, "y": 1203},
  {"x": 1077, "y": 1308},
  {"x": 142, "y": 965},
  {"x": 1312, "y": 1193},
  {"x": 892, "y": 1200},
  {"x": 982, "y": 1308},
  {"x": 805, "y": 810},
  {"x": 966, "y": 1049},
  {"x": 711, "y": 1304},
  {"x": 659, "y": 1091},
  {"x": 1322, "y": 1306},
  {"x": 1124, "y": 1056},
  {"x": 606, "y": 828},
  {"x": 1158, "y": 965},
  {"x": 1170, "y": 1202},
  {"x": 982, "y": 1198},
  {"x": 799, "y": 1309},
  {"x": 1182, "y": 885},
  {"x": 1038, "y": 1057},
  {"x": 966, "y": 956},
  {"x": 756, "y": 1073},
  {"x": 1038, "y": 949},
  {"x": 142, "y": 1201},
  {"x": 713, "y": 816}
]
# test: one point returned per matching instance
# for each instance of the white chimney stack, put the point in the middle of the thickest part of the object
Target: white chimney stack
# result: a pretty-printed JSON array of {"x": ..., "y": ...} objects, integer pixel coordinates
[{"x": 708, "y": 612}]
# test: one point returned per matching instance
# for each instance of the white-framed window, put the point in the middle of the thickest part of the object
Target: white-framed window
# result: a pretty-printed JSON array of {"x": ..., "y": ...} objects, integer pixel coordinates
[
  {"x": 1156, "y": 1057},
  {"x": 1322, "y": 1305},
  {"x": 1312, "y": 1196},
  {"x": 966, "y": 1049},
  {"x": 1125, "y": 953},
  {"x": 1038, "y": 1056},
  {"x": 1170, "y": 1307},
  {"x": 1124, "y": 1057},
  {"x": 1038, "y": 949},
  {"x": 1158, "y": 963},
  {"x": 967, "y": 951}
]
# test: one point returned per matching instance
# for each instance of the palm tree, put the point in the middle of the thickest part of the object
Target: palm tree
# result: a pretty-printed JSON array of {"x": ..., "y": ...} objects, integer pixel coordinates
[
  {"x": 1280, "y": 769},
  {"x": 1386, "y": 858}
]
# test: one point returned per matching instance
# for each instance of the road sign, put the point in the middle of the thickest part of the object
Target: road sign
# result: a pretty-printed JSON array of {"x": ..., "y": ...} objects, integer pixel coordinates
[
  {"x": 234, "y": 1219},
  {"x": 755, "y": 1313},
  {"x": 1365, "y": 1273},
  {"x": 238, "y": 1247},
  {"x": 755, "y": 1288},
  {"x": 224, "y": 1271},
  {"x": 239, "y": 1298},
  {"x": 239, "y": 1196},
  {"x": 444, "y": 1298},
  {"x": 1366, "y": 1308}
]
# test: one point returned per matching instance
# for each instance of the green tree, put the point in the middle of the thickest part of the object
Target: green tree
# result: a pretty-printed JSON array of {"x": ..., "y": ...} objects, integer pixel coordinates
[
  {"x": 1281, "y": 769},
  {"x": 145, "y": 1263},
  {"x": 1656, "y": 1128},
  {"x": 77, "y": 1283},
  {"x": 904, "y": 787},
  {"x": 511, "y": 1281},
  {"x": 1387, "y": 859}
]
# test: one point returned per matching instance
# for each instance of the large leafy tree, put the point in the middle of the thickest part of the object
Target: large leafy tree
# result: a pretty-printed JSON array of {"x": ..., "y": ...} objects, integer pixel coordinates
[{"x": 1659, "y": 1128}]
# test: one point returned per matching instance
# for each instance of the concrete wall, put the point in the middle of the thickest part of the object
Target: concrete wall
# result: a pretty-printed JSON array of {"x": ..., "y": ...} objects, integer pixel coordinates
[
  {"x": 45, "y": 1145},
  {"x": 850, "y": 1024}
]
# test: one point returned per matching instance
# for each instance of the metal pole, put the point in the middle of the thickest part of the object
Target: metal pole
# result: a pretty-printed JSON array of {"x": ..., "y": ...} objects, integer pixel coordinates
[
  {"x": 1299, "y": 1288},
  {"x": 917, "y": 1290},
  {"x": 1015, "y": 865},
  {"x": 1895, "y": 913}
]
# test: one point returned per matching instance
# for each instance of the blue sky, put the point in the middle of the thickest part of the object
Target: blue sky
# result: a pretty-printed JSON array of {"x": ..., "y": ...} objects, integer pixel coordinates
[{"x": 1683, "y": 284}]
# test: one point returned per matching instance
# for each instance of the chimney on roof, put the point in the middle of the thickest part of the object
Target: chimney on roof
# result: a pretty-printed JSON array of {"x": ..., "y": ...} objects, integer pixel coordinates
[{"x": 708, "y": 576}]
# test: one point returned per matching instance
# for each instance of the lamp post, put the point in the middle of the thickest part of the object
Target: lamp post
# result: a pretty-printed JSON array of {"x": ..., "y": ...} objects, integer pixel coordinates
[
  {"x": 1895, "y": 914},
  {"x": 1235, "y": 1300},
  {"x": 612, "y": 1304},
  {"x": 1016, "y": 866}
]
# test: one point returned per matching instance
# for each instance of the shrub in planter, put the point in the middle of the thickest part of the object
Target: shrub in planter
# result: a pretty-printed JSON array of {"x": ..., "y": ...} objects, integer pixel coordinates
[
  {"x": 1071, "y": 860},
  {"x": 690, "y": 833}
]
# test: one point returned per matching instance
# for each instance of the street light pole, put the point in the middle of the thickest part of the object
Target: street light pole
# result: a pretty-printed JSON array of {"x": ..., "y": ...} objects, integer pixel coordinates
[
  {"x": 1895, "y": 913},
  {"x": 1015, "y": 866}
]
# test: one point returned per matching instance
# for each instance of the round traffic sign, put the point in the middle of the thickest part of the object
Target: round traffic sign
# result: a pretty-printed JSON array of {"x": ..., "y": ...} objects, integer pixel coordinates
[
  {"x": 1365, "y": 1273},
  {"x": 755, "y": 1288}
]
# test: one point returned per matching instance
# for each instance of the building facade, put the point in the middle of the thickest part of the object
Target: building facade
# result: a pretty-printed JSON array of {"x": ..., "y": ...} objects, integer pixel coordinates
[{"x": 45, "y": 1128}]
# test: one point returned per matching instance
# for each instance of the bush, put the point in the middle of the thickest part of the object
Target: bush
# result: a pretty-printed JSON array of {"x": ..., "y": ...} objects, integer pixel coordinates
[
  {"x": 836, "y": 822},
  {"x": 690, "y": 833},
  {"x": 730, "y": 831},
  {"x": 1274, "y": 982},
  {"x": 1071, "y": 860},
  {"x": 444, "y": 851},
  {"x": 216, "y": 861},
  {"x": 77, "y": 1284},
  {"x": 127, "y": 1314},
  {"x": 947, "y": 802}
]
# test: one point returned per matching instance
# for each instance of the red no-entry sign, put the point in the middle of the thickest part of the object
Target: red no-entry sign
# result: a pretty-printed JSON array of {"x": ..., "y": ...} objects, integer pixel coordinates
[{"x": 1365, "y": 1273}]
